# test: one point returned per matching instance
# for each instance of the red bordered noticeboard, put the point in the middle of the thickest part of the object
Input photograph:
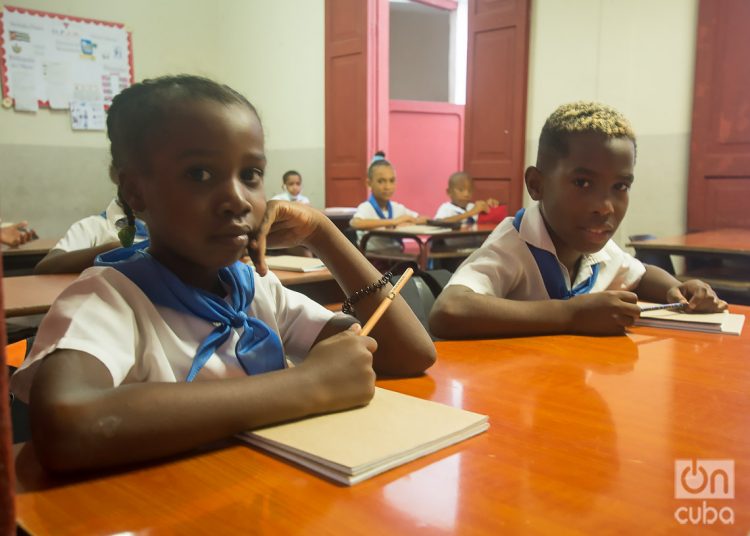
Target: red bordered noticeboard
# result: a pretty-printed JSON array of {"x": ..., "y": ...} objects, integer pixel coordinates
[{"x": 58, "y": 58}]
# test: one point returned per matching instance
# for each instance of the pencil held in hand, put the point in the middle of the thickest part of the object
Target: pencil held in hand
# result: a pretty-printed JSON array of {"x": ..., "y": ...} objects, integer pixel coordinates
[
  {"x": 676, "y": 305},
  {"x": 386, "y": 302}
]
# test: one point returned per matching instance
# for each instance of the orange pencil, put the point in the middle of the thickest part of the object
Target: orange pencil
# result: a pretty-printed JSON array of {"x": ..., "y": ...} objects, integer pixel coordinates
[{"x": 386, "y": 302}]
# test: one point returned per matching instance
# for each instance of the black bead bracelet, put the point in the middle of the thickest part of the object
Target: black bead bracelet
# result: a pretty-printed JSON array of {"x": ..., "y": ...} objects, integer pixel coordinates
[{"x": 348, "y": 308}]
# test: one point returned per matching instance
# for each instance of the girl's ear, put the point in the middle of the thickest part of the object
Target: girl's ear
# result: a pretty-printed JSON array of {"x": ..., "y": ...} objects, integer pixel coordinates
[
  {"x": 534, "y": 182},
  {"x": 131, "y": 190}
]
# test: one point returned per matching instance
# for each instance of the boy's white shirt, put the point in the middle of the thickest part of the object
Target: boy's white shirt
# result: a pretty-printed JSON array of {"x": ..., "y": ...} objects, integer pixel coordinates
[
  {"x": 366, "y": 211},
  {"x": 286, "y": 196},
  {"x": 94, "y": 231},
  {"x": 104, "y": 314},
  {"x": 504, "y": 266},
  {"x": 448, "y": 209}
]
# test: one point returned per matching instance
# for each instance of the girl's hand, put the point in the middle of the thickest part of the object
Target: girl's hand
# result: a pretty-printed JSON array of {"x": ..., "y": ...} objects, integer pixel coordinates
[
  {"x": 340, "y": 370},
  {"x": 404, "y": 219},
  {"x": 699, "y": 296},
  {"x": 284, "y": 225}
]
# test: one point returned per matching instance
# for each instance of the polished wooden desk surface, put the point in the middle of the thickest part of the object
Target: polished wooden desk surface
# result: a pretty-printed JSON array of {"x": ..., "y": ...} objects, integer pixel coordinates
[
  {"x": 583, "y": 440},
  {"x": 39, "y": 246},
  {"x": 726, "y": 241},
  {"x": 34, "y": 294},
  {"x": 481, "y": 229}
]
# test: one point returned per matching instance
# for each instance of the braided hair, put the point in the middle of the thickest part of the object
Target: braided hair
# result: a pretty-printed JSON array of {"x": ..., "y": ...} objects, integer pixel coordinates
[
  {"x": 137, "y": 113},
  {"x": 580, "y": 117}
]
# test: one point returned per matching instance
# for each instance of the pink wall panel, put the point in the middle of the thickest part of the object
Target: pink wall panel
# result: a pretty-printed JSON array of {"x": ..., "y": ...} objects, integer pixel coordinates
[{"x": 426, "y": 141}]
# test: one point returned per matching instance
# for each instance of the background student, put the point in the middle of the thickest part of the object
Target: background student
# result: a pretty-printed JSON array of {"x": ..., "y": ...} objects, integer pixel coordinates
[
  {"x": 460, "y": 207},
  {"x": 110, "y": 376},
  {"x": 292, "y": 185},
  {"x": 561, "y": 247},
  {"x": 90, "y": 237},
  {"x": 15, "y": 234},
  {"x": 379, "y": 210}
]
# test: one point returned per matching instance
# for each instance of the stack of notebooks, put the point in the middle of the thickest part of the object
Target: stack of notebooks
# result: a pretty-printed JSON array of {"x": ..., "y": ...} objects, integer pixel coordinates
[
  {"x": 293, "y": 263},
  {"x": 354, "y": 445},
  {"x": 708, "y": 323}
]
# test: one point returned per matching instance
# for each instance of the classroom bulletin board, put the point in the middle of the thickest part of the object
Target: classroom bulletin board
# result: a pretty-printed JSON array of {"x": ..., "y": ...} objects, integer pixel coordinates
[{"x": 63, "y": 63}]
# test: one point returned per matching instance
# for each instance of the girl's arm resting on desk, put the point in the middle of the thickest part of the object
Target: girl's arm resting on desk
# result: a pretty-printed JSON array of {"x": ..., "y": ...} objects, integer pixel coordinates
[
  {"x": 80, "y": 421},
  {"x": 365, "y": 224},
  {"x": 404, "y": 347},
  {"x": 58, "y": 261},
  {"x": 659, "y": 286},
  {"x": 460, "y": 312}
]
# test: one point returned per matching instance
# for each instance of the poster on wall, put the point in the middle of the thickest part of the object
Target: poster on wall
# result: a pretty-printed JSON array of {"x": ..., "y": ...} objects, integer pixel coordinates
[{"x": 63, "y": 62}]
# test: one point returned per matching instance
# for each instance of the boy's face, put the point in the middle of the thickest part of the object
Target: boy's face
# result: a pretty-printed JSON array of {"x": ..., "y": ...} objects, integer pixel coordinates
[
  {"x": 202, "y": 194},
  {"x": 461, "y": 192},
  {"x": 293, "y": 185},
  {"x": 584, "y": 195},
  {"x": 382, "y": 183}
]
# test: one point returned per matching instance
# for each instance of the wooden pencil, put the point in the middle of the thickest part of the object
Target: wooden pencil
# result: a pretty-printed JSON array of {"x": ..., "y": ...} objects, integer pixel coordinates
[{"x": 367, "y": 328}]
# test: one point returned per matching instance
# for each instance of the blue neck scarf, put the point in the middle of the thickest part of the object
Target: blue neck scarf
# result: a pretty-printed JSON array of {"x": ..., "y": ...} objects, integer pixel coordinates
[
  {"x": 552, "y": 275},
  {"x": 259, "y": 347},
  {"x": 378, "y": 210},
  {"x": 140, "y": 228},
  {"x": 470, "y": 219}
]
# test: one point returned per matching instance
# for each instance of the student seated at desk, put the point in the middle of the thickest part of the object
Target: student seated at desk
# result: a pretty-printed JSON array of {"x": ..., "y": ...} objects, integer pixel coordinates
[
  {"x": 292, "y": 185},
  {"x": 157, "y": 351},
  {"x": 379, "y": 211},
  {"x": 90, "y": 237},
  {"x": 15, "y": 234},
  {"x": 460, "y": 207},
  {"x": 553, "y": 268}
]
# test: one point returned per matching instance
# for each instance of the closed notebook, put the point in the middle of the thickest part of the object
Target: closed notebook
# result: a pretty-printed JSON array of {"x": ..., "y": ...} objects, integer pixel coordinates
[
  {"x": 422, "y": 229},
  {"x": 354, "y": 445},
  {"x": 708, "y": 323},
  {"x": 293, "y": 263}
]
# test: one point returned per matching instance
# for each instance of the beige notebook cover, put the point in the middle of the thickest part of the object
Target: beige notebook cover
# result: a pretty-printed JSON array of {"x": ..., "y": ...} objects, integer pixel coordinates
[
  {"x": 351, "y": 446},
  {"x": 709, "y": 323},
  {"x": 422, "y": 229},
  {"x": 293, "y": 263}
]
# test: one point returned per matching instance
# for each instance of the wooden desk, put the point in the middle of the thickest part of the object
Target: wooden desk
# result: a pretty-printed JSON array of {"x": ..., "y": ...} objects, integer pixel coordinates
[
  {"x": 720, "y": 257},
  {"x": 21, "y": 260},
  {"x": 34, "y": 294},
  {"x": 424, "y": 243},
  {"x": 584, "y": 436}
]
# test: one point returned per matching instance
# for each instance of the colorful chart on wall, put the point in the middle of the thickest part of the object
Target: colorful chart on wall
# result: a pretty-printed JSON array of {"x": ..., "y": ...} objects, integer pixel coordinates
[{"x": 63, "y": 62}]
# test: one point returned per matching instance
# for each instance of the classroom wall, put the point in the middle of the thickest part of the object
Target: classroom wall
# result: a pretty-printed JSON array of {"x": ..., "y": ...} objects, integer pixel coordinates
[
  {"x": 270, "y": 51},
  {"x": 639, "y": 57},
  {"x": 419, "y": 50}
]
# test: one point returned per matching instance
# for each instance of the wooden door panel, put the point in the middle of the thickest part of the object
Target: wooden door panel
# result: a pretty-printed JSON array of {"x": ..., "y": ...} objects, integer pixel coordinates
[
  {"x": 496, "y": 98},
  {"x": 719, "y": 183}
]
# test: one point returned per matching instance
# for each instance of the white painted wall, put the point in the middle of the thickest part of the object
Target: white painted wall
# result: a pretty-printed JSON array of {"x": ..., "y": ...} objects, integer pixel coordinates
[
  {"x": 639, "y": 57},
  {"x": 271, "y": 51}
]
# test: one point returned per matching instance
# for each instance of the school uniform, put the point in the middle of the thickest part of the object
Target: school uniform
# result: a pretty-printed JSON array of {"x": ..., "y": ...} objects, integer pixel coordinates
[
  {"x": 97, "y": 230},
  {"x": 105, "y": 314},
  {"x": 506, "y": 267},
  {"x": 286, "y": 196},
  {"x": 448, "y": 209},
  {"x": 366, "y": 211}
]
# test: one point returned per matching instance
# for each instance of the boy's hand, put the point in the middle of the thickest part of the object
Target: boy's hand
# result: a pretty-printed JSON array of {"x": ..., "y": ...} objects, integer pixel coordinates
[
  {"x": 492, "y": 203},
  {"x": 699, "y": 296},
  {"x": 17, "y": 234},
  {"x": 603, "y": 313},
  {"x": 340, "y": 368},
  {"x": 284, "y": 225},
  {"x": 482, "y": 206}
]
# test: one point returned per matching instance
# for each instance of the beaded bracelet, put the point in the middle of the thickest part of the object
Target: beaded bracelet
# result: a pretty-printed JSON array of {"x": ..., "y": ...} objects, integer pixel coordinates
[{"x": 347, "y": 307}]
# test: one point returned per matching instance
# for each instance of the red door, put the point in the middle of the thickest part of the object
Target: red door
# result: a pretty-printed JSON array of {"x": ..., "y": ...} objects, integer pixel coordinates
[
  {"x": 719, "y": 184},
  {"x": 496, "y": 98},
  {"x": 356, "y": 116}
]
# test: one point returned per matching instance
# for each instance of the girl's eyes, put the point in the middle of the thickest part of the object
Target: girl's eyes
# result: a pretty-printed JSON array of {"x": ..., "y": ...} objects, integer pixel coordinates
[
  {"x": 582, "y": 183},
  {"x": 622, "y": 187},
  {"x": 199, "y": 174},
  {"x": 252, "y": 175}
]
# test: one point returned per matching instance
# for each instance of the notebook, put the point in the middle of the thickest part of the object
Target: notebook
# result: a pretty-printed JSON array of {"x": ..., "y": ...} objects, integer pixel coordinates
[
  {"x": 709, "y": 323},
  {"x": 354, "y": 445},
  {"x": 293, "y": 263}
]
